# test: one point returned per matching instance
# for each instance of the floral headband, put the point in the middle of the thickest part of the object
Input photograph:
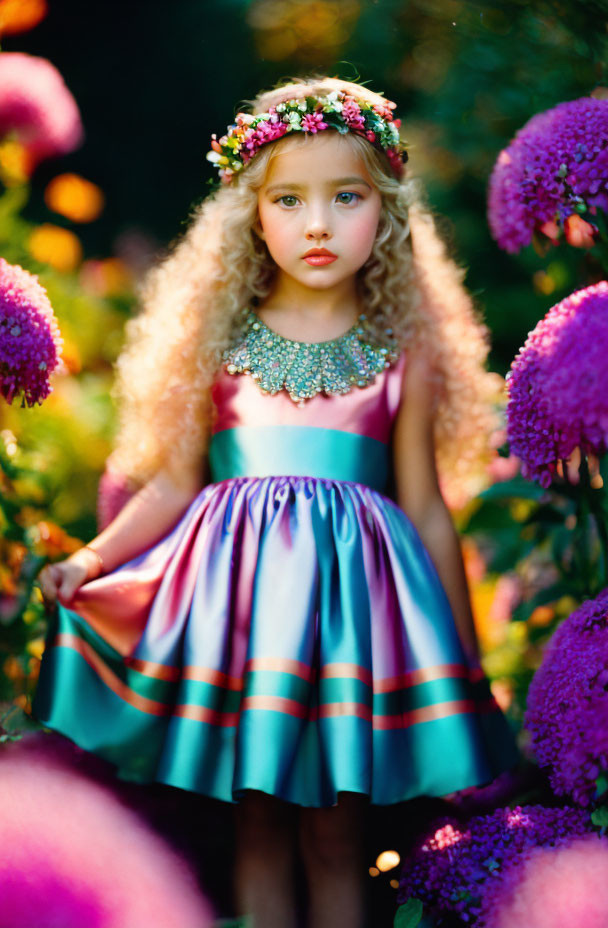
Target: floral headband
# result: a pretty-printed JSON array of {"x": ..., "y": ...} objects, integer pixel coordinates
[{"x": 335, "y": 110}]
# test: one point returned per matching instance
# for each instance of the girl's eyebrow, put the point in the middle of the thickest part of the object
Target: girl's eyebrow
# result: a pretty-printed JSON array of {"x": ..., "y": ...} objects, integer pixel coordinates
[{"x": 338, "y": 182}]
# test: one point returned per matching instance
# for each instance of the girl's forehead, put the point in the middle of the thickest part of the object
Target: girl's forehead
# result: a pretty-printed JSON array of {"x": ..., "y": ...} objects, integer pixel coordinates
[{"x": 326, "y": 155}]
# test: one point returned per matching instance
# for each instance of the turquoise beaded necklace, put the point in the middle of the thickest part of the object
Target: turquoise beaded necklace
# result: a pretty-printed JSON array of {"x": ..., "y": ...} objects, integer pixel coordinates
[{"x": 304, "y": 369}]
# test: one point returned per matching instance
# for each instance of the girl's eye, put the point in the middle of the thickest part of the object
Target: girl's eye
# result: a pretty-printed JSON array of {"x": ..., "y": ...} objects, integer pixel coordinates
[
  {"x": 347, "y": 197},
  {"x": 288, "y": 196}
]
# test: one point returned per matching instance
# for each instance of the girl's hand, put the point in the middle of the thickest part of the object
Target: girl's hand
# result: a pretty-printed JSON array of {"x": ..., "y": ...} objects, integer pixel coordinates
[
  {"x": 569, "y": 469},
  {"x": 63, "y": 579}
]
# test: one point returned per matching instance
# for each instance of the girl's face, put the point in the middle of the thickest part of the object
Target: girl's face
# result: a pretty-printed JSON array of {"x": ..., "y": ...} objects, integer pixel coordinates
[{"x": 319, "y": 197}]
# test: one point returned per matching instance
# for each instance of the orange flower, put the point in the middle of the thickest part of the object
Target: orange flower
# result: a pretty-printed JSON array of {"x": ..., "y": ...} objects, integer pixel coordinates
[
  {"x": 58, "y": 247},
  {"x": 21, "y": 15},
  {"x": 74, "y": 197},
  {"x": 551, "y": 230},
  {"x": 579, "y": 234}
]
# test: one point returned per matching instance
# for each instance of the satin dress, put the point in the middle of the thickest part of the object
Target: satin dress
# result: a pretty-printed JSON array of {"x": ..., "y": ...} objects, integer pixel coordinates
[{"x": 289, "y": 634}]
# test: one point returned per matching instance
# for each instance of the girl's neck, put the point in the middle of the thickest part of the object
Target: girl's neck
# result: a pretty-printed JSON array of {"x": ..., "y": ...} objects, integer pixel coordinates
[{"x": 300, "y": 312}]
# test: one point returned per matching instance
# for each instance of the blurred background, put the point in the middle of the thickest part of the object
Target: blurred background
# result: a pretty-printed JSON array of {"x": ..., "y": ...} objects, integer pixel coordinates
[{"x": 152, "y": 81}]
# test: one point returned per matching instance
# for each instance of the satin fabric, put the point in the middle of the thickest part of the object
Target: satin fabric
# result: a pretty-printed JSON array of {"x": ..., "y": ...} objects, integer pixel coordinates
[{"x": 290, "y": 634}]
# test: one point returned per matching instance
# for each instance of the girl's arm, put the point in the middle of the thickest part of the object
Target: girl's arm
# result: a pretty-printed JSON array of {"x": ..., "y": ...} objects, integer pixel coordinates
[
  {"x": 144, "y": 519},
  {"x": 150, "y": 513},
  {"x": 419, "y": 496}
]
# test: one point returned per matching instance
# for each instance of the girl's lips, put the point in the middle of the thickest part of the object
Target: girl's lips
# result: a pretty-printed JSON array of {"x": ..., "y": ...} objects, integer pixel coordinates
[{"x": 319, "y": 260}]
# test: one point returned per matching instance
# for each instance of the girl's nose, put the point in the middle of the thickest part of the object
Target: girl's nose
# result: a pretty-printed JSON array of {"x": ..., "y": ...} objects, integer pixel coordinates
[{"x": 318, "y": 226}]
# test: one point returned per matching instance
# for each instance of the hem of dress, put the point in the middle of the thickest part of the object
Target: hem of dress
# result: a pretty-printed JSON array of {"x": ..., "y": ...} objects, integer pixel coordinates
[{"x": 129, "y": 777}]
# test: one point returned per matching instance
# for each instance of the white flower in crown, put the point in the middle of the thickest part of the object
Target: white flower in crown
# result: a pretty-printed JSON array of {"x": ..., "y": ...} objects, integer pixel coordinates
[
  {"x": 280, "y": 107},
  {"x": 294, "y": 118},
  {"x": 302, "y": 105},
  {"x": 332, "y": 104}
]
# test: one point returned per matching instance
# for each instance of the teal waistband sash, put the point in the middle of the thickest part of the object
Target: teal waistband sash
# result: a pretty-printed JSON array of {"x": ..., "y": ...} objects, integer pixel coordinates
[{"x": 296, "y": 450}]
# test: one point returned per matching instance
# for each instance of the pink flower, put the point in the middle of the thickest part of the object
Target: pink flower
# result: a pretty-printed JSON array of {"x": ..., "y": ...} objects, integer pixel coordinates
[
  {"x": 385, "y": 111},
  {"x": 313, "y": 122},
  {"x": 395, "y": 161},
  {"x": 36, "y": 105},
  {"x": 557, "y": 887},
  {"x": 30, "y": 343},
  {"x": 73, "y": 855},
  {"x": 352, "y": 116}
]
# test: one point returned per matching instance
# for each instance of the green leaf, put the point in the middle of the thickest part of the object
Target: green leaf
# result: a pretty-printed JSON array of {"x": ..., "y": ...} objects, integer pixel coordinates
[
  {"x": 544, "y": 597},
  {"x": 517, "y": 488},
  {"x": 599, "y": 817},
  {"x": 409, "y": 914},
  {"x": 601, "y": 784}
]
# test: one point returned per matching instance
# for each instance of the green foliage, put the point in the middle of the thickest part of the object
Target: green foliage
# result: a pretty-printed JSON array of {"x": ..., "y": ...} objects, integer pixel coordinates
[{"x": 409, "y": 914}]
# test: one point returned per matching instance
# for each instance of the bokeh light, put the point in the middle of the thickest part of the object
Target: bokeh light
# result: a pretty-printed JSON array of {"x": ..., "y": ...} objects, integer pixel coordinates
[
  {"x": 74, "y": 197},
  {"x": 20, "y": 15},
  {"x": 387, "y": 860},
  {"x": 306, "y": 30},
  {"x": 56, "y": 246}
]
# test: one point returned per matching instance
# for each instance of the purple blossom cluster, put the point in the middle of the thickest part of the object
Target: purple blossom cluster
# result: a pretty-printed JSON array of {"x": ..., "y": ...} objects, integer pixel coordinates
[
  {"x": 37, "y": 106},
  {"x": 556, "y": 164},
  {"x": 557, "y": 385},
  {"x": 30, "y": 343},
  {"x": 462, "y": 869},
  {"x": 567, "y": 706}
]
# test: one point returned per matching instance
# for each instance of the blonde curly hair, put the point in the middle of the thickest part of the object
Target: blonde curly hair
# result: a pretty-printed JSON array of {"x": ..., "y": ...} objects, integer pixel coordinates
[{"x": 194, "y": 298}]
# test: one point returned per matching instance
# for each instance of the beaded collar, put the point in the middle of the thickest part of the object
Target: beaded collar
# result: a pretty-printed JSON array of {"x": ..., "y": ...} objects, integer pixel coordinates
[{"x": 307, "y": 368}]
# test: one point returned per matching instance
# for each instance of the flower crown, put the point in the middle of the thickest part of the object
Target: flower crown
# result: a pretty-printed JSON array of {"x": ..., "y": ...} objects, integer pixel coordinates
[{"x": 336, "y": 110}]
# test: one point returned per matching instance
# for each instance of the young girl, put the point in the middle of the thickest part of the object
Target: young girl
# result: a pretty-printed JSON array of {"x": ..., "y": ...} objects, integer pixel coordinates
[{"x": 278, "y": 617}]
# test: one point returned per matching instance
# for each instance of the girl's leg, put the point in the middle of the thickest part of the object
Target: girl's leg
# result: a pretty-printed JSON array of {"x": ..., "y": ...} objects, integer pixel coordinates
[
  {"x": 263, "y": 873},
  {"x": 332, "y": 846}
]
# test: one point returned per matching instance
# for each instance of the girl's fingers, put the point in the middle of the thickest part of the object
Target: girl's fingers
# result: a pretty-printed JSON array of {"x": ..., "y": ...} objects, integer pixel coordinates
[{"x": 47, "y": 580}]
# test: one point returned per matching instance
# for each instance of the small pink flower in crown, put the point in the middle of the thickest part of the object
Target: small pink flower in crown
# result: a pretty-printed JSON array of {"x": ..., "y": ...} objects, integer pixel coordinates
[
  {"x": 351, "y": 114},
  {"x": 395, "y": 159},
  {"x": 384, "y": 110},
  {"x": 313, "y": 122}
]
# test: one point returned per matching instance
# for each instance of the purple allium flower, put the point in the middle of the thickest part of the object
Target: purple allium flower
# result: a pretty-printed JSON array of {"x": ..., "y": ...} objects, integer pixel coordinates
[
  {"x": 557, "y": 160},
  {"x": 557, "y": 385},
  {"x": 567, "y": 706},
  {"x": 36, "y": 104},
  {"x": 30, "y": 343},
  {"x": 460, "y": 869},
  {"x": 557, "y": 887}
]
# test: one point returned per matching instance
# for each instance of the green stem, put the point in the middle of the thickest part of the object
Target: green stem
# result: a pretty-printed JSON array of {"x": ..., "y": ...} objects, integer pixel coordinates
[
  {"x": 582, "y": 529},
  {"x": 600, "y": 515}
]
